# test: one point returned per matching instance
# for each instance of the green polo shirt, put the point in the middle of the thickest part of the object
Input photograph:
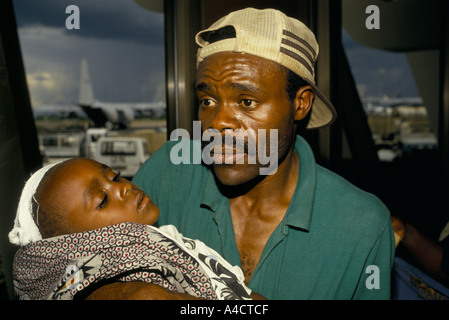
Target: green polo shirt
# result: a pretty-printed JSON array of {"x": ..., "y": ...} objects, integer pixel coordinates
[{"x": 335, "y": 241}]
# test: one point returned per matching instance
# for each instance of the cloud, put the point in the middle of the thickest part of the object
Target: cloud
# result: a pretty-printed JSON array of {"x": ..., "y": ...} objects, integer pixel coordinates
[
  {"x": 46, "y": 86},
  {"x": 120, "y": 19},
  {"x": 43, "y": 79},
  {"x": 125, "y": 66}
]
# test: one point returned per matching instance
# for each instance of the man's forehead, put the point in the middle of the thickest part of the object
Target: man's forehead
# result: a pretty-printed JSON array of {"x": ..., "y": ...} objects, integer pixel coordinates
[
  {"x": 236, "y": 60},
  {"x": 247, "y": 86},
  {"x": 241, "y": 70}
]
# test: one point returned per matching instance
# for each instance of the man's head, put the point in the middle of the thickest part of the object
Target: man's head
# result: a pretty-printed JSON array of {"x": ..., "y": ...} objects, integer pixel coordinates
[
  {"x": 81, "y": 194},
  {"x": 273, "y": 36},
  {"x": 242, "y": 92},
  {"x": 255, "y": 72}
]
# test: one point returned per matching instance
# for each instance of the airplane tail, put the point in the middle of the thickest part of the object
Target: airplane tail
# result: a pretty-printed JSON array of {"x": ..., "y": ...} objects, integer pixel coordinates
[{"x": 86, "y": 94}]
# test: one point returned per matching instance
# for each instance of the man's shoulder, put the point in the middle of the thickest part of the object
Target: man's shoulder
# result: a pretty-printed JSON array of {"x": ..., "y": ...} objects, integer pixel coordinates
[{"x": 344, "y": 197}]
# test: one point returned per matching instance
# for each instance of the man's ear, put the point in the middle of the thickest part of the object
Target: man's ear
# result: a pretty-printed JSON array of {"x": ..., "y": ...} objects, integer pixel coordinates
[{"x": 303, "y": 102}]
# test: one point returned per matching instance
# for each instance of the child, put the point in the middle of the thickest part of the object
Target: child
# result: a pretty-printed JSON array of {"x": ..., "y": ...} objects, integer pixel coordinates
[{"x": 80, "y": 225}]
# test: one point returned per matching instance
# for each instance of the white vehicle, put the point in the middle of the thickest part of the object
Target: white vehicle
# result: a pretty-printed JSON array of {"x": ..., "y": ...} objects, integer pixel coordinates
[
  {"x": 122, "y": 154},
  {"x": 92, "y": 136},
  {"x": 60, "y": 146}
]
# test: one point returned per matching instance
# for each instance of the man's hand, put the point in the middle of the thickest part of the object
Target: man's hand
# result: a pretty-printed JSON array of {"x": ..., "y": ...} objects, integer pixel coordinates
[
  {"x": 135, "y": 291},
  {"x": 256, "y": 296},
  {"x": 399, "y": 229}
]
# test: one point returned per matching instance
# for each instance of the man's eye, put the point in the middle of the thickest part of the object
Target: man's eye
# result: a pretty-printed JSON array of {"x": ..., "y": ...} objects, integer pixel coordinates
[
  {"x": 248, "y": 103},
  {"x": 206, "y": 102},
  {"x": 104, "y": 201}
]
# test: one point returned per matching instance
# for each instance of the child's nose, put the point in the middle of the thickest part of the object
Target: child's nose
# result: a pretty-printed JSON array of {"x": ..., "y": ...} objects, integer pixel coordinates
[{"x": 124, "y": 187}]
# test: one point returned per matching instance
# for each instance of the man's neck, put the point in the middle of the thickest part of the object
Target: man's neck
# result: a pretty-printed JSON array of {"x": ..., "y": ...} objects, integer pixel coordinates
[
  {"x": 256, "y": 213},
  {"x": 273, "y": 193}
]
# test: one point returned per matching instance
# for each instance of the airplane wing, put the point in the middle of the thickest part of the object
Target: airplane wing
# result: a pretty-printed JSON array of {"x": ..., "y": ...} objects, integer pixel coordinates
[{"x": 97, "y": 115}]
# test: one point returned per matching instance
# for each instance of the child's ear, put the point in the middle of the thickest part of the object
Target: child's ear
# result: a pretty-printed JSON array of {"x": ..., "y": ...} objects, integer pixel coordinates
[{"x": 303, "y": 102}]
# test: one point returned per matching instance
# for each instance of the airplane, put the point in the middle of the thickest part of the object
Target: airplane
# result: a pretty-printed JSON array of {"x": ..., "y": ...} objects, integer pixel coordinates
[
  {"x": 111, "y": 114},
  {"x": 58, "y": 112}
]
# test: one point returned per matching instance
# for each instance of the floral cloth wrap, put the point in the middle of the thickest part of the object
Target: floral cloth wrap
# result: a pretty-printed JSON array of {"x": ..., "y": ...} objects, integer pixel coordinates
[{"x": 60, "y": 267}]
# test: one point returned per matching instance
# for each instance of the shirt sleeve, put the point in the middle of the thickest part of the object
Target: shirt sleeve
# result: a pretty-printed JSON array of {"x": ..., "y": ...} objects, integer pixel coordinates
[{"x": 375, "y": 283}]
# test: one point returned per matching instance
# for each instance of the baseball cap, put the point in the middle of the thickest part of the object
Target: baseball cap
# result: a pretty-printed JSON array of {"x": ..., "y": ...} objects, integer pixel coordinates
[{"x": 271, "y": 35}]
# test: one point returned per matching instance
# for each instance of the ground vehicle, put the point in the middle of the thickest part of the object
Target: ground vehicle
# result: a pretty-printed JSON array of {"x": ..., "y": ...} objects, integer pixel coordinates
[
  {"x": 124, "y": 154},
  {"x": 91, "y": 138},
  {"x": 60, "y": 146}
]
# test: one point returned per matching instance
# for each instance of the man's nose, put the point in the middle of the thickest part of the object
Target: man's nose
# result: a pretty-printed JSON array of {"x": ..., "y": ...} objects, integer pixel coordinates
[{"x": 223, "y": 117}]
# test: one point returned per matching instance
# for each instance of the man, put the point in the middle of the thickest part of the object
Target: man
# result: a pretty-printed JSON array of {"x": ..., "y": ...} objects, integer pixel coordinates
[
  {"x": 298, "y": 231},
  {"x": 430, "y": 256}
]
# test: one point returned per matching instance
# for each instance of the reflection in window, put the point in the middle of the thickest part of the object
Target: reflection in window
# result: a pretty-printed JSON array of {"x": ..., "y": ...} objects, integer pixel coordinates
[
  {"x": 109, "y": 73},
  {"x": 396, "y": 113}
]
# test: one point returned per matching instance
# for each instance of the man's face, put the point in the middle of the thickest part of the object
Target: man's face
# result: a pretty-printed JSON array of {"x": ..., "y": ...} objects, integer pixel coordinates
[
  {"x": 93, "y": 196},
  {"x": 244, "y": 92}
]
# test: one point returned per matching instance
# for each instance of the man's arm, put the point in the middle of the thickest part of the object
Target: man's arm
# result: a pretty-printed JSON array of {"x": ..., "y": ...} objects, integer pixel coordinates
[
  {"x": 135, "y": 291},
  {"x": 427, "y": 253},
  {"x": 375, "y": 283},
  {"x": 142, "y": 291}
]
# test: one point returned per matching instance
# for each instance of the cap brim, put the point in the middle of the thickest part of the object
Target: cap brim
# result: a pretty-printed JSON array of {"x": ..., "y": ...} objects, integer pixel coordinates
[{"x": 323, "y": 112}]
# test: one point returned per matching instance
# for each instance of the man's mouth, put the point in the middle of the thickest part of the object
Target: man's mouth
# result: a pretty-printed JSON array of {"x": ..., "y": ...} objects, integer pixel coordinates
[
  {"x": 228, "y": 155},
  {"x": 237, "y": 148}
]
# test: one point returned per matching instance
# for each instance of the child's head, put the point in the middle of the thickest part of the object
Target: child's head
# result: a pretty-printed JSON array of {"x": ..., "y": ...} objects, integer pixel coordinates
[{"x": 81, "y": 194}]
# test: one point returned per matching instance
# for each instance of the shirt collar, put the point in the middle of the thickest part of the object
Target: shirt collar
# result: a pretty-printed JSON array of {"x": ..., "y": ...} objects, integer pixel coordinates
[
  {"x": 211, "y": 195},
  {"x": 299, "y": 213}
]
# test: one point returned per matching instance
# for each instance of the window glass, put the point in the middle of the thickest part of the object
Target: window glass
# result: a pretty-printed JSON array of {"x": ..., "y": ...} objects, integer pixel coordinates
[
  {"x": 395, "y": 63},
  {"x": 118, "y": 147},
  {"x": 397, "y": 79},
  {"x": 396, "y": 112},
  {"x": 94, "y": 64}
]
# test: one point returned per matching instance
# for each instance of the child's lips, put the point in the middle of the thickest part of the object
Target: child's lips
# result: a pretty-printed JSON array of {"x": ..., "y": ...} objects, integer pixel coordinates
[{"x": 142, "y": 201}]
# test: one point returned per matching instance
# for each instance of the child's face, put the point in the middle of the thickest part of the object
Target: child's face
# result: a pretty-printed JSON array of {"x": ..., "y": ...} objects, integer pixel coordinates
[{"x": 93, "y": 196}]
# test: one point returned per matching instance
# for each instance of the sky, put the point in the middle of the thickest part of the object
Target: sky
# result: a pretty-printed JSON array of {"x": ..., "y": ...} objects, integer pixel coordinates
[
  {"x": 379, "y": 72},
  {"x": 122, "y": 42},
  {"x": 124, "y": 46}
]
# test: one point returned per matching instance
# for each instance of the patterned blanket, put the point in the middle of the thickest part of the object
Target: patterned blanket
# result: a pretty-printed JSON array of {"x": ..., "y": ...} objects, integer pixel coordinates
[{"x": 61, "y": 267}]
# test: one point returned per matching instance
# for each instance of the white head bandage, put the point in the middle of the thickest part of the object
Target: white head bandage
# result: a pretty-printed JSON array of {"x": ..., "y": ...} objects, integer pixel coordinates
[{"x": 25, "y": 229}]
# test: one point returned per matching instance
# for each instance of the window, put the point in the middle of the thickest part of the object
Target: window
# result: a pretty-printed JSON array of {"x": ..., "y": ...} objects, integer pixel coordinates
[
  {"x": 401, "y": 108},
  {"x": 396, "y": 69},
  {"x": 118, "y": 148},
  {"x": 49, "y": 141},
  {"x": 396, "y": 112},
  {"x": 99, "y": 66}
]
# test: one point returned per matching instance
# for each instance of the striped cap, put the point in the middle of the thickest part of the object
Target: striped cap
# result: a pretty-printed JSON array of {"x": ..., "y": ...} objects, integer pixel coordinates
[{"x": 272, "y": 35}]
